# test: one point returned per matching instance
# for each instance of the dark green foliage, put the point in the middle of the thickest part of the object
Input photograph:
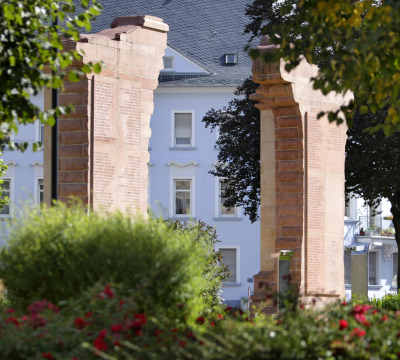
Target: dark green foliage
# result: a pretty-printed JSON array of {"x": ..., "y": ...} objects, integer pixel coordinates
[
  {"x": 206, "y": 236},
  {"x": 59, "y": 252},
  {"x": 239, "y": 149},
  {"x": 372, "y": 168},
  {"x": 32, "y": 55},
  {"x": 355, "y": 44}
]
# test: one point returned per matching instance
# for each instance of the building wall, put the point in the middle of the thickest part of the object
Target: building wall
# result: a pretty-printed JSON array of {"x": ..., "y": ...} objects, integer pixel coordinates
[
  {"x": 24, "y": 171},
  {"x": 239, "y": 232}
]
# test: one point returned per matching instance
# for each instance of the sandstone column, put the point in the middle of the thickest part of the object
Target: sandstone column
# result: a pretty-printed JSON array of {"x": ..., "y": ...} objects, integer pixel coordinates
[
  {"x": 302, "y": 182},
  {"x": 103, "y": 143}
]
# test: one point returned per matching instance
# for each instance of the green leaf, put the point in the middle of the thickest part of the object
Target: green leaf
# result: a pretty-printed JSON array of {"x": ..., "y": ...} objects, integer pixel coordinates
[
  {"x": 73, "y": 76},
  {"x": 97, "y": 68}
]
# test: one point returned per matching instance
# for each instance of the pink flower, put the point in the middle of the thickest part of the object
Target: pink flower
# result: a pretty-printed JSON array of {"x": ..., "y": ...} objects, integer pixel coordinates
[
  {"x": 343, "y": 324},
  {"x": 10, "y": 311},
  {"x": 12, "y": 320},
  {"x": 358, "y": 332}
]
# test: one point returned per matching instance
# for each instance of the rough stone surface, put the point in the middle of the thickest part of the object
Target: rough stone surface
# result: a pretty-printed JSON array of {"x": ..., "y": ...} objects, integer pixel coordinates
[
  {"x": 302, "y": 182},
  {"x": 102, "y": 144}
]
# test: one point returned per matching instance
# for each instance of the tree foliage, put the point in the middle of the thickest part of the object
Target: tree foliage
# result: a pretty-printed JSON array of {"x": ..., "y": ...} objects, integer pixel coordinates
[
  {"x": 239, "y": 149},
  {"x": 373, "y": 163},
  {"x": 356, "y": 45},
  {"x": 32, "y": 55}
]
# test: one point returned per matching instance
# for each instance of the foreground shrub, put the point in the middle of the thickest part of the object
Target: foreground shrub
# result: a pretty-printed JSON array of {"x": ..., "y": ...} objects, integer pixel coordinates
[
  {"x": 390, "y": 301},
  {"x": 103, "y": 324},
  {"x": 59, "y": 252},
  {"x": 214, "y": 272}
]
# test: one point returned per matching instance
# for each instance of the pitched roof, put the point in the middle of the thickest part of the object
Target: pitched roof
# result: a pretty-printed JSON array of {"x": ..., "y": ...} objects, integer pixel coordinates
[{"x": 202, "y": 30}]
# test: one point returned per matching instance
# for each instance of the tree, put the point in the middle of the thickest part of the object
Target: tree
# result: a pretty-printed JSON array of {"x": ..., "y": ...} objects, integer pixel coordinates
[
  {"x": 356, "y": 45},
  {"x": 373, "y": 164},
  {"x": 239, "y": 149},
  {"x": 32, "y": 55}
]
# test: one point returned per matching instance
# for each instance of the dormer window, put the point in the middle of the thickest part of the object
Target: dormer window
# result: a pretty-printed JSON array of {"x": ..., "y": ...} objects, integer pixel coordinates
[
  {"x": 168, "y": 63},
  {"x": 231, "y": 59}
]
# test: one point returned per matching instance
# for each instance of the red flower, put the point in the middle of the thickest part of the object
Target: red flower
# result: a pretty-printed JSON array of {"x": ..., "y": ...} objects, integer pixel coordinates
[
  {"x": 212, "y": 323},
  {"x": 219, "y": 316},
  {"x": 200, "y": 320},
  {"x": 12, "y": 320},
  {"x": 385, "y": 317},
  {"x": 116, "y": 343},
  {"x": 107, "y": 290},
  {"x": 343, "y": 324},
  {"x": 138, "y": 332},
  {"x": 10, "y": 311},
  {"x": 47, "y": 355},
  {"x": 80, "y": 323},
  {"x": 88, "y": 314},
  {"x": 117, "y": 328},
  {"x": 174, "y": 330},
  {"x": 182, "y": 343},
  {"x": 100, "y": 344},
  {"x": 358, "y": 332},
  {"x": 102, "y": 334},
  {"x": 157, "y": 332}
]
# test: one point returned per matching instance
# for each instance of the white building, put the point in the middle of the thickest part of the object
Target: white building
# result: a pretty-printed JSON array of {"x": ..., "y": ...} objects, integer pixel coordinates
[{"x": 376, "y": 232}]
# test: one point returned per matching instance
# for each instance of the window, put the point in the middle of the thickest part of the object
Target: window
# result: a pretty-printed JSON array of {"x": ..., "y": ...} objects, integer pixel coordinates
[
  {"x": 183, "y": 129},
  {"x": 347, "y": 267},
  {"x": 168, "y": 62},
  {"x": 182, "y": 197},
  {"x": 223, "y": 210},
  {"x": 6, "y": 186},
  {"x": 230, "y": 259},
  {"x": 41, "y": 132},
  {"x": 372, "y": 268},
  {"x": 40, "y": 191},
  {"x": 395, "y": 269},
  {"x": 347, "y": 209},
  {"x": 230, "y": 59}
]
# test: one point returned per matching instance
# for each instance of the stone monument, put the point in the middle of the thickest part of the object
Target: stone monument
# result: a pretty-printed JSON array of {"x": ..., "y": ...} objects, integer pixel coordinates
[
  {"x": 103, "y": 143},
  {"x": 302, "y": 183}
]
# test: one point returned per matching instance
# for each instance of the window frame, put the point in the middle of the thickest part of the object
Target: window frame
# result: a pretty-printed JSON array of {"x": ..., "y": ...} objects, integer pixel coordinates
[
  {"x": 172, "y": 61},
  {"x": 10, "y": 197},
  {"x": 344, "y": 262},
  {"x": 237, "y": 248},
  {"x": 377, "y": 267},
  {"x": 173, "y": 213},
  {"x": 394, "y": 255},
  {"x": 173, "y": 130},
  {"x": 218, "y": 203}
]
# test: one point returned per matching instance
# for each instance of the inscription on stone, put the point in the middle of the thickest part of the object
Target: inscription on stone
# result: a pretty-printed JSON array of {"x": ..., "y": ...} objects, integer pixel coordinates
[
  {"x": 130, "y": 116},
  {"x": 117, "y": 145},
  {"x": 105, "y": 109},
  {"x": 104, "y": 176},
  {"x": 324, "y": 251}
]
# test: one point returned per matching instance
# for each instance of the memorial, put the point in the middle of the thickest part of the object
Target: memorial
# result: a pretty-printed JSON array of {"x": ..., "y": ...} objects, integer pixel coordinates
[
  {"x": 103, "y": 143},
  {"x": 302, "y": 183}
]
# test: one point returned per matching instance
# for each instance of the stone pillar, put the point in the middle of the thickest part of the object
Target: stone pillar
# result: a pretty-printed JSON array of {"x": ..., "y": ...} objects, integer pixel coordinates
[
  {"x": 103, "y": 143},
  {"x": 302, "y": 183}
]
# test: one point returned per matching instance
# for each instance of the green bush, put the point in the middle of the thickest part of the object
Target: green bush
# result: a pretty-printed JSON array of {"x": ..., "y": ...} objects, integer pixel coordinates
[
  {"x": 390, "y": 301},
  {"x": 61, "y": 251},
  {"x": 214, "y": 272}
]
